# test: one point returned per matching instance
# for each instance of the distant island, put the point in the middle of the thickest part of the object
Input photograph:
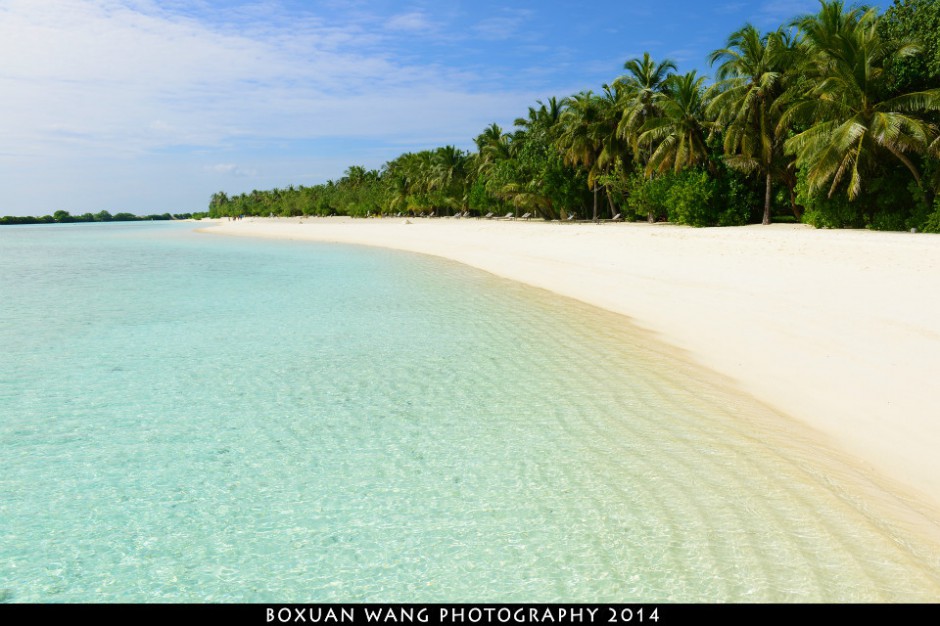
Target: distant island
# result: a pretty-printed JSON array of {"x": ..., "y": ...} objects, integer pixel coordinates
[{"x": 102, "y": 216}]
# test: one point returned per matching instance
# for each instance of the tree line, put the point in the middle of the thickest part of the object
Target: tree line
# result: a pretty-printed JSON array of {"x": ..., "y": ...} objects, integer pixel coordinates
[{"x": 63, "y": 217}]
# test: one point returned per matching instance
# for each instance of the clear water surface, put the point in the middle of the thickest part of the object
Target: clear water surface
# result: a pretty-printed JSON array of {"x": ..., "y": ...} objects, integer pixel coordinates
[{"x": 187, "y": 417}]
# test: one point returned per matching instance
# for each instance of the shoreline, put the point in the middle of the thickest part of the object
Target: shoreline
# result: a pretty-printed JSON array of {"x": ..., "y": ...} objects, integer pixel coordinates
[{"x": 839, "y": 330}]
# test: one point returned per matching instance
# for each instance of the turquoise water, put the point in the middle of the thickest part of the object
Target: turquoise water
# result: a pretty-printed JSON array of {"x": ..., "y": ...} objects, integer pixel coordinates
[{"x": 188, "y": 417}]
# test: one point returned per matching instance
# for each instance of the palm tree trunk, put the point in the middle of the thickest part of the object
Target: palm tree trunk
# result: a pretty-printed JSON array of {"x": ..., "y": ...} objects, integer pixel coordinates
[
  {"x": 789, "y": 179},
  {"x": 907, "y": 163},
  {"x": 797, "y": 208},
  {"x": 767, "y": 201},
  {"x": 595, "y": 203}
]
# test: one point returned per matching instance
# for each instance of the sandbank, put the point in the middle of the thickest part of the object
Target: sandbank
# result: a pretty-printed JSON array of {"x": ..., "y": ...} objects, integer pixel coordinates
[{"x": 837, "y": 329}]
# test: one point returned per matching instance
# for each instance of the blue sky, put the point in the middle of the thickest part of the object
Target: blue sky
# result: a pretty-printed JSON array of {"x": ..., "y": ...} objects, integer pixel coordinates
[{"x": 144, "y": 106}]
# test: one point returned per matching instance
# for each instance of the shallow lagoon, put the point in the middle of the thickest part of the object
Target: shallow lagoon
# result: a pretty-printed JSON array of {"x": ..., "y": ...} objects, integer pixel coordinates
[{"x": 186, "y": 417}]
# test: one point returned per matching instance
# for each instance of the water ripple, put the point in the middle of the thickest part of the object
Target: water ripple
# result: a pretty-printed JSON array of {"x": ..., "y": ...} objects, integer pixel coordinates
[{"x": 216, "y": 420}]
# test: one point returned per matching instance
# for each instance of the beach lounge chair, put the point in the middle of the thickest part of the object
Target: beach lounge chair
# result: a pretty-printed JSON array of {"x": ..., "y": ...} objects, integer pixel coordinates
[
  {"x": 615, "y": 218},
  {"x": 488, "y": 216},
  {"x": 526, "y": 216}
]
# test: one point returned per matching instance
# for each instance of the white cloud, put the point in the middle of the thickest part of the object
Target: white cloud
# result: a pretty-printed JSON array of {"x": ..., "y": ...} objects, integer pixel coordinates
[
  {"x": 414, "y": 21},
  {"x": 231, "y": 169},
  {"x": 123, "y": 98},
  {"x": 510, "y": 23},
  {"x": 126, "y": 76},
  {"x": 93, "y": 87}
]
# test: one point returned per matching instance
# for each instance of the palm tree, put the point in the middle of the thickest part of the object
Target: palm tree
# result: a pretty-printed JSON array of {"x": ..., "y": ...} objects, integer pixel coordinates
[
  {"x": 583, "y": 135},
  {"x": 448, "y": 175},
  {"x": 679, "y": 135},
  {"x": 612, "y": 142},
  {"x": 409, "y": 180},
  {"x": 589, "y": 136},
  {"x": 577, "y": 140},
  {"x": 640, "y": 87},
  {"x": 615, "y": 148},
  {"x": 355, "y": 175},
  {"x": 218, "y": 204},
  {"x": 543, "y": 119},
  {"x": 399, "y": 192},
  {"x": 851, "y": 122},
  {"x": 752, "y": 78},
  {"x": 493, "y": 145}
]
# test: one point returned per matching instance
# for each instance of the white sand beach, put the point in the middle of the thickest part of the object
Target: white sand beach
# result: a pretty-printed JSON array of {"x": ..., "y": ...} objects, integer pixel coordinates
[{"x": 837, "y": 329}]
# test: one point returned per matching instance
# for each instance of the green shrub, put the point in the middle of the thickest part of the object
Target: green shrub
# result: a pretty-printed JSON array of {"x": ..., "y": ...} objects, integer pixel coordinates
[
  {"x": 690, "y": 199},
  {"x": 825, "y": 212},
  {"x": 649, "y": 196},
  {"x": 888, "y": 220},
  {"x": 694, "y": 197},
  {"x": 932, "y": 222}
]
